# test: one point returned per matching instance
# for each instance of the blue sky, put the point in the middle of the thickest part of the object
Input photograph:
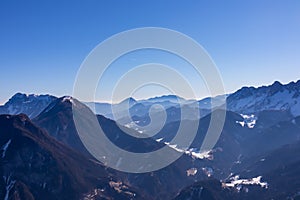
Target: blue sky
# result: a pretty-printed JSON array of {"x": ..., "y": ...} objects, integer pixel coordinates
[{"x": 43, "y": 43}]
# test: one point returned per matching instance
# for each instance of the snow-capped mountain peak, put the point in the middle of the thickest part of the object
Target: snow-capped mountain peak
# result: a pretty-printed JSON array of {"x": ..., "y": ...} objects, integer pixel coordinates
[
  {"x": 277, "y": 96},
  {"x": 29, "y": 104}
]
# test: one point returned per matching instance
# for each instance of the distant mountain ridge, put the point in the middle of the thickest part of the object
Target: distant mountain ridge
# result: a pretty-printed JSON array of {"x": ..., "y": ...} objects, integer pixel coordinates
[
  {"x": 277, "y": 96},
  {"x": 247, "y": 100},
  {"x": 31, "y": 104}
]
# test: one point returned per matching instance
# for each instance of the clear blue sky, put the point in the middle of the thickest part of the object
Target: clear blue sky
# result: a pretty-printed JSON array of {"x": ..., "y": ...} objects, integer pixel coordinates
[{"x": 42, "y": 43}]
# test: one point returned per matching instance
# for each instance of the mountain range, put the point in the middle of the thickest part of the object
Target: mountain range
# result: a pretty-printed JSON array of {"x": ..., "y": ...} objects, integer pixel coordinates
[{"x": 256, "y": 155}]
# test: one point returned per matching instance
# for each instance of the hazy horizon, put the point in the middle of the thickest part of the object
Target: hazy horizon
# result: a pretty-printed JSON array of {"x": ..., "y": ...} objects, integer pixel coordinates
[{"x": 149, "y": 97}]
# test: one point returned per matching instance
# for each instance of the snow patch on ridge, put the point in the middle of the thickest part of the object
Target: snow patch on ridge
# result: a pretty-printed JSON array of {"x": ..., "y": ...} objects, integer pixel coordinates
[
  {"x": 192, "y": 152},
  {"x": 236, "y": 182},
  {"x": 68, "y": 99},
  {"x": 191, "y": 172},
  {"x": 249, "y": 120}
]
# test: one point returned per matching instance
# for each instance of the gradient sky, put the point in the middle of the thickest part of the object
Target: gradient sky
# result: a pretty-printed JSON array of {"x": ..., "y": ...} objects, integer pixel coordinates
[{"x": 43, "y": 43}]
